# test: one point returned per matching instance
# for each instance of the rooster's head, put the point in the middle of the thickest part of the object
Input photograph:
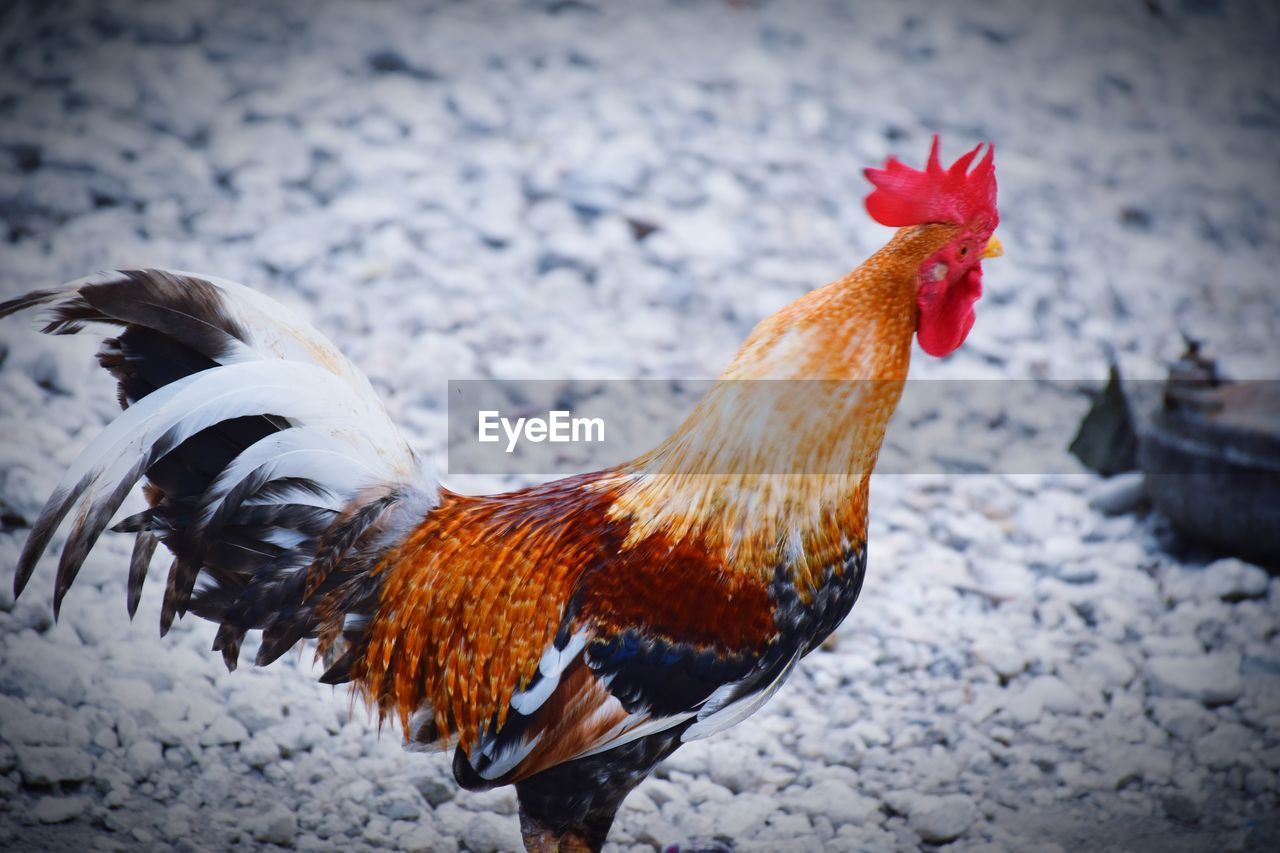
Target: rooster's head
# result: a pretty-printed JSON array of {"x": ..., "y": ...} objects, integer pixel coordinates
[{"x": 964, "y": 200}]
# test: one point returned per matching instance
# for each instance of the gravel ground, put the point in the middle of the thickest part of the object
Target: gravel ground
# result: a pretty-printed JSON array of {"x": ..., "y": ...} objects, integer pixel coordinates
[{"x": 459, "y": 190}]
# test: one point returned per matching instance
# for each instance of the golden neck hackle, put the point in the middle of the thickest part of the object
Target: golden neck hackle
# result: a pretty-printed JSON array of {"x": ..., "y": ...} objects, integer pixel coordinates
[{"x": 772, "y": 464}]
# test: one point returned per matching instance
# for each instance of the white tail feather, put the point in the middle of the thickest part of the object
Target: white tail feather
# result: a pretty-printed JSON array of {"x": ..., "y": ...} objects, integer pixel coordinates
[
  {"x": 335, "y": 445},
  {"x": 298, "y": 392}
]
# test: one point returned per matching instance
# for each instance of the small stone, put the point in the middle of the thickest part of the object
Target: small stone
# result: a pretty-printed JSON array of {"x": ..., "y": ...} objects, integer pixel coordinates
[
  {"x": 255, "y": 705},
  {"x": 294, "y": 736},
  {"x": 116, "y": 797},
  {"x": 451, "y": 819},
  {"x": 60, "y": 809},
  {"x": 1177, "y": 645},
  {"x": 941, "y": 819},
  {"x": 736, "y": 768},
  {"x": 129, "y": 694},
  {"x": 1237, "y": 580},
  {"x": 490, "y": 833},
  {"x": 106, "y": 739},
  {"x": 1110, "y": 664},
  {"x": 500, "y": 801},
  {"x": 143, "y": 758},
  {"x": 1121, "y": 767},
  {"x": 1228, "y": 579},
  {"x": 1181, "y": 809},
  {"x": 479, "y": 110},
  {"x": 1005, "y": 657},
  {"x": 872, "y": 734},
  {"x": 32, "y": 668},
  {"x": 1001, "y": 580},
  {"x": 259, "y": 751},
  {"x": 1054, "y": 695},
  {"x": 1183, "y": 718},
  {"x": 1024, "y": 707},
  {"x": 741, "y": 815},
  {"x": 839, "y": 803},
  {"x": 1119, "y": 494},
  {"x": 399, "y": 808},
  {"x": 52, "y": 765},
  {"x": 19, "y": 725},
  {"x": 1212, "y": 679},
  {"x": 224, "y": 730},
  {"x": 424, "y": 839},
  {"x": 177, "y": 822},
  {"x": 279, "y": 826},
  {"x": 660, "y": 833},
  {"x": 1227, "y": 745},
  {"x": 435, "y": 790}
]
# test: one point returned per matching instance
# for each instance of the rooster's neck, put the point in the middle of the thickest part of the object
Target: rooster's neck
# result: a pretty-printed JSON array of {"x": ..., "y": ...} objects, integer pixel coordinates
[{"x": 772, "y": 465}]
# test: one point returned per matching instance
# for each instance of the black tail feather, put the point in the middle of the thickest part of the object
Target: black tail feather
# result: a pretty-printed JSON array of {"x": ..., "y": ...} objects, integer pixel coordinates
[
  {"x": 29, "y": 300},
  {"x": 144, "y": 548},
  {"x": 285, "y": 555}
]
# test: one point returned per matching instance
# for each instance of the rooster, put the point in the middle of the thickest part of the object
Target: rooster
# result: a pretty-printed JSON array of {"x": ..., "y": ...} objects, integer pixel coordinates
[{"x": 564, "y": 638}]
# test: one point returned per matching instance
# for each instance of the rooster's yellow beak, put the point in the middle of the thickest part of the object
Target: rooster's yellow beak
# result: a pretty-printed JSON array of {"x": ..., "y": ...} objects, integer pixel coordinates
[{"x": 994, "y": 248}]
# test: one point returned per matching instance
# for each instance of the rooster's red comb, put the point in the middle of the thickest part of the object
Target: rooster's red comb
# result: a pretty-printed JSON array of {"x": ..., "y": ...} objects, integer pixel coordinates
[{"x": 905, "y": 196}]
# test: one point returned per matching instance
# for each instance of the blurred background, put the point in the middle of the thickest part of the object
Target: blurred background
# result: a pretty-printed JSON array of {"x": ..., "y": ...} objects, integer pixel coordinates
[{"x": 576, "y": 189}]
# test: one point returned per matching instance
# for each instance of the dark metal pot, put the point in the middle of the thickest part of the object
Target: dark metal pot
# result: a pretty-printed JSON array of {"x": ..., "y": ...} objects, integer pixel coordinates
[{"x": 1211, "y": 456}]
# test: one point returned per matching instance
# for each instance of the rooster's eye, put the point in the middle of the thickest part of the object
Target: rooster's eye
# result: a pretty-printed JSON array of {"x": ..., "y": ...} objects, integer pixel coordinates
[{"x": 964, "y": 250}]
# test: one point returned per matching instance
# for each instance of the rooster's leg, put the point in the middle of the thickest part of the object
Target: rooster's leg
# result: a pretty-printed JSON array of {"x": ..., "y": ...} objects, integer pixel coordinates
[
  {"x": 562, "y": 813},
  {"x": 569, "y": 808},
  {"x": 543, "y": 838}
]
